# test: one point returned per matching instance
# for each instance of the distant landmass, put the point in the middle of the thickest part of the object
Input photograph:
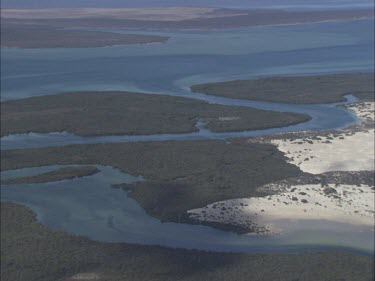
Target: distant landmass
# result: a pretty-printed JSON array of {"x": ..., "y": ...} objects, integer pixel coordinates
[
  {"x": 176, "y": 18},
  {"x": 163, "y": 3}
]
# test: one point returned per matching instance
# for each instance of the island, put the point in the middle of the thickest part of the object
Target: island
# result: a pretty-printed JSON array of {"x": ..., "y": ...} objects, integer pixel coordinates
[
  {"x": 125, "y": 113},
  {"x": 313, "y": 89}
]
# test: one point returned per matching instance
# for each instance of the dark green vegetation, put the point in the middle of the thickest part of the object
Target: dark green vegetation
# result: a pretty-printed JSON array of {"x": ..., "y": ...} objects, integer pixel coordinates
[
  {"x": 179, "y": 175},
  {"x": 32, "y": 252},
  {"x": 299, "y": 89},
  {"x": 119, "y": 113},
  {"x": 45, "y": 37},
  {"x": 57, "y": 175}
]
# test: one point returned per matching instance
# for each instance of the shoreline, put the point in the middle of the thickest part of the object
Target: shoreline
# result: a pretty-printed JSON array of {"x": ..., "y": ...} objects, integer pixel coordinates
[{"x": 309, "y": 199}]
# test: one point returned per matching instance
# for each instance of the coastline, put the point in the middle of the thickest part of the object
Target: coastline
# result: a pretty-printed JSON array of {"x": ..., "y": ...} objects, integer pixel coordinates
[{"x": 310, "y": 199}]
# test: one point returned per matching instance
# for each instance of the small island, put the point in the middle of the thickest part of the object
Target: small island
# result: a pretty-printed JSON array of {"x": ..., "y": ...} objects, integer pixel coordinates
[{"x": 66, "y": 173}]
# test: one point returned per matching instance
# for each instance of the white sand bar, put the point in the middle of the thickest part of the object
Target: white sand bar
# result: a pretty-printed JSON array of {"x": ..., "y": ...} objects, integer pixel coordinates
[{"x": 343, "y": 203}]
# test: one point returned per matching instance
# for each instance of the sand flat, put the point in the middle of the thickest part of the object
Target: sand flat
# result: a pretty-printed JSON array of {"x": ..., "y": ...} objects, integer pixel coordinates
[
  {"x": 347, "y": 150},
  {"x": 344, "y": 204}
]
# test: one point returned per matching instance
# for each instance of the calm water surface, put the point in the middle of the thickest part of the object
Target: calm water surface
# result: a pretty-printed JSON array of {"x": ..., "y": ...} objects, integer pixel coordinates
[{"x": 89, "y": 206}]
